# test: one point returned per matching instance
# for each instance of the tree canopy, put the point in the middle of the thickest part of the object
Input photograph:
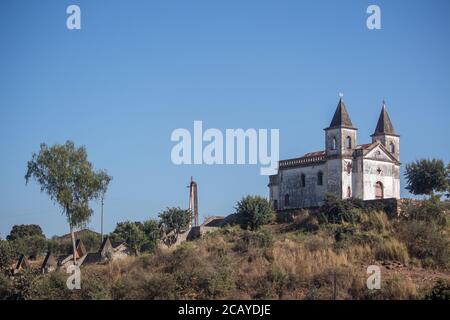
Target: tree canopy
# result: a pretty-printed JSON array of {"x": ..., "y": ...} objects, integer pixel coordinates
[
  {"x": 25, "y": 231},
  {"x": 426, "y": 177},
  {"x": 253, "y": 212},
  {"x": 174, "y": 221}
]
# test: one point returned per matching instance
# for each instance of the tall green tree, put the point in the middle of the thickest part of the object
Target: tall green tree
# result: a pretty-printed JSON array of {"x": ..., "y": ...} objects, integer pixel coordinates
[
  {"x": 66, "y": 175},
  {"x": 426, "y": 177},
  {"x": 253, "y": 212},
  {"x": 174, "y": 221}
]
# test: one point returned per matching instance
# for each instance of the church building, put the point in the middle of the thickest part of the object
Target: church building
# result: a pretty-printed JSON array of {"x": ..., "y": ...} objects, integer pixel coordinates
[{"x": 345, "y": 168}]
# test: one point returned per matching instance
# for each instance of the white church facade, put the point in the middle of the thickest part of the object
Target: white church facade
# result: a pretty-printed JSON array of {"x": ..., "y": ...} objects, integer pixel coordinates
[{"x": 346, "y": 169}]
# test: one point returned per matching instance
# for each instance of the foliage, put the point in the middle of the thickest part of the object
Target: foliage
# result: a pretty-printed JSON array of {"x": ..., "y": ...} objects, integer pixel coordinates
[
  {"x": 425, "y": 177},
  {"x": 335, "y": 210},
  {"x": 440, "y": 291},
  {"x": 431, "y": 210},
  {"x": 253, "y": 212},
  {"x": 7, "y": 254},
  {"x": 174, "y": 221},
  {"x": 426, "y": 241},
  {"x": 152, "y": 233},
  {"x": 31, "y": 246},
  {"x": 131, "y": 233},
  {"x": 65, "y": 174},
  {"x": 25, "y": 231}
]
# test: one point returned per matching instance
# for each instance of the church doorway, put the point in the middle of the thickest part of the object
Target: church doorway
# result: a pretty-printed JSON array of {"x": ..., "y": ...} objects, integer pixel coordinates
[{"x": 379, "y": 192}]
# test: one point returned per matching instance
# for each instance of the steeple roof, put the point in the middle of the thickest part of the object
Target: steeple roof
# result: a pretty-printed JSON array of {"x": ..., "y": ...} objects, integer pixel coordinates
[
  {"x": 384, "y": 125},
  {"x": 341, "y": 117}
]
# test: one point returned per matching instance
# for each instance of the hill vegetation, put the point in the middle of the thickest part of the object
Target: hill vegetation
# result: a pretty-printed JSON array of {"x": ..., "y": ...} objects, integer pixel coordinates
[{"x": 320, "y": 254}]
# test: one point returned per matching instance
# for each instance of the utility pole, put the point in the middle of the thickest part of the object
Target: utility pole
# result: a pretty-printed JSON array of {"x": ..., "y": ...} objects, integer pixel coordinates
[{"x": 103, "y": 198}]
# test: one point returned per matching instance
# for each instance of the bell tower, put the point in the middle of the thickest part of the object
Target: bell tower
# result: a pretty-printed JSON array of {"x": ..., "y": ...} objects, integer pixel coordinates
[{"x": 340, "y": 143}]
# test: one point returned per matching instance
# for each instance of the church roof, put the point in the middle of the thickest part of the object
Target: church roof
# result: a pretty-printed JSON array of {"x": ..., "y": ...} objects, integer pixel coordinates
[
  {"x": 308, "y": 159},
  {"x": 384, "y": 125},
  {"x": 341, "y": 117}
]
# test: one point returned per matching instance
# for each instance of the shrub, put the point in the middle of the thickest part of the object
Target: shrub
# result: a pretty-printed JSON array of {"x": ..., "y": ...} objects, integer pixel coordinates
[
  {"x": 440, "y": 291},
  {"x": 7, "y": 254},
  {"x": 253, "y": 212},
  {"x": 426, "y": 242},
  {"x": 305, "y": 221},
  {"x": 339, "y": 211},
  {"x": 262, "y": 239},
  {"x": 431, "y": 210},
  {"x": 392, "y": 250}
]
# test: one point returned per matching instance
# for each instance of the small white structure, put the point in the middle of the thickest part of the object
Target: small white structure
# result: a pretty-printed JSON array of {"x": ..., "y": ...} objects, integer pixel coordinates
[{"x": 346, "y": 169}]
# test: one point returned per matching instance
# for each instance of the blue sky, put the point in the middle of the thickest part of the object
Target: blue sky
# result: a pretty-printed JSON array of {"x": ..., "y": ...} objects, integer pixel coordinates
[{"x": 137, "y": 70}]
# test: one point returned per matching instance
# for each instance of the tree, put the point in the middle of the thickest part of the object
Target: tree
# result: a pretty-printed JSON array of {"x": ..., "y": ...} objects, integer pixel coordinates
[
  {"x": 152, "y": 233},
  {"x": 425, "y": 177},
  {"x": 131, "y": 233},
  {"x": 25, "y": 231},
  {"x": 253, "y": 212},
  {"x": 65, "y": 174},
  {"x": 174, "y": 221}
]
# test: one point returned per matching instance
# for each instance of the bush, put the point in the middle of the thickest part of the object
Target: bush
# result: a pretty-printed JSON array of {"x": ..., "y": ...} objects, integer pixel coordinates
[
  {"x": 431, "y": 210},
  {"x": 426, "y": 242},
  {"x": 261, "y": 239},
  {"x": 440, "y": 291},
  {"x": 7, "y": 254},
  {"x": 339, "y": 211},
  {"x": 253, "y": 212},
  {"x": 392, "y": 250},
  {"x": 305, "y": 221}
]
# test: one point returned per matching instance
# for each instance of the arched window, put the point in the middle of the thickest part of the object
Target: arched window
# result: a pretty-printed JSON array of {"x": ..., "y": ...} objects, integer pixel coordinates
[
  {"x": 286, "y": 200},
  {"x": 333, "y": 144},
  {"x": 348, "y": 142},
  {"x": 392, "y": 148},
  {"x": 349, "y": 167},
  {"x": 379, "y": 192},
  {"x": 303, "y": 180},
  {"x": 349, "y": 192},
  {"x": 320, "y": 178}
]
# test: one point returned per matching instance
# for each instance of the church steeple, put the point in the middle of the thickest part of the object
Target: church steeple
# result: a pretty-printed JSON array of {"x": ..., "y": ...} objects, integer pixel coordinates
[
  {"x": 386, "y": 134},
  {"x": 384, "y": 125},
  {"x": 340, "y": 136},
  {"x": 341, "y": 117}
]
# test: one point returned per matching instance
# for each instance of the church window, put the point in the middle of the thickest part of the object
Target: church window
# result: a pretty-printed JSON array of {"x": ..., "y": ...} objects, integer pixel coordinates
[
  {"x": 320, "y": 178},
  {"x": 333, "y": 144},
  {"x": 348, "y": 142},
  {"x": 286, "y": 200},
  {"x": 349, "y": 192},
  {"x": 392, "y": 148},
  {"x": 349, "y": 167},
  {"x": 303, "y": 180}
]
